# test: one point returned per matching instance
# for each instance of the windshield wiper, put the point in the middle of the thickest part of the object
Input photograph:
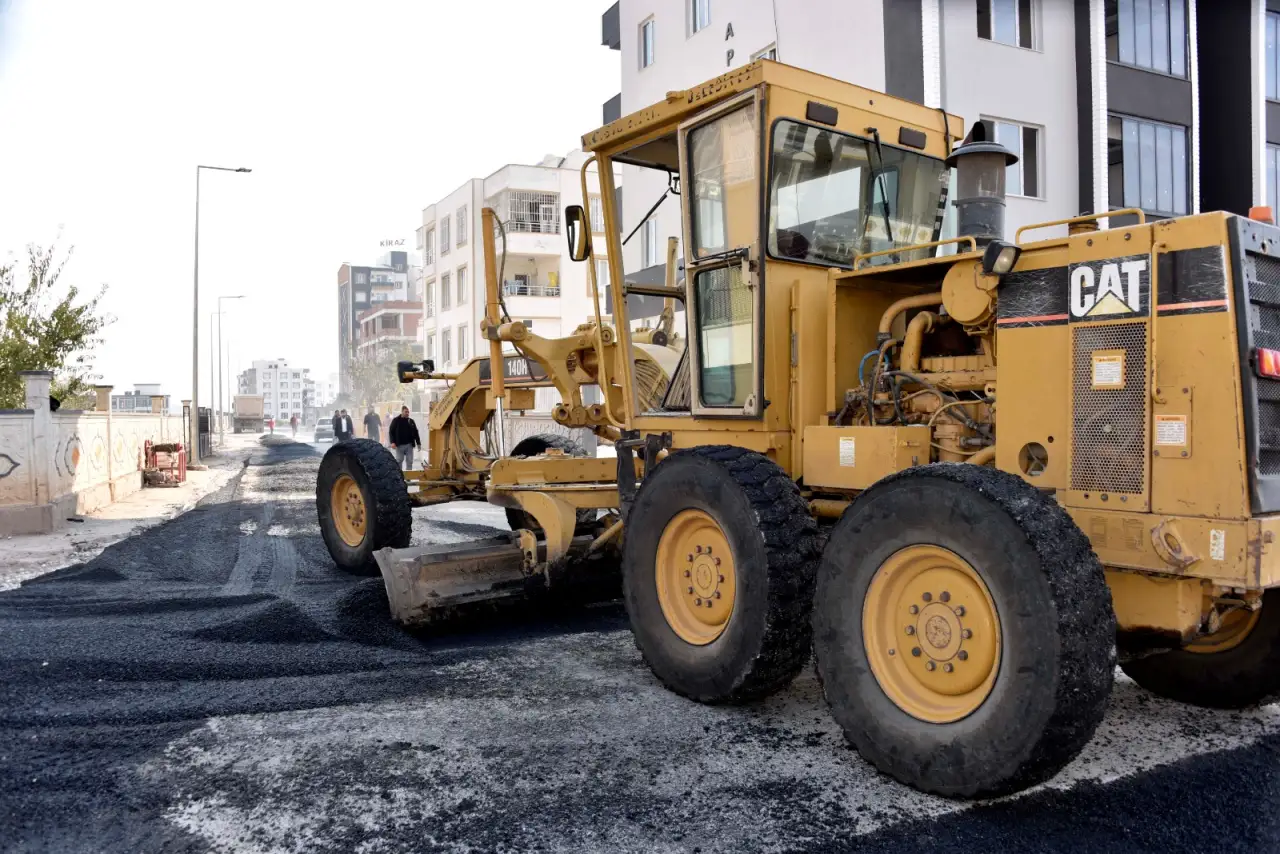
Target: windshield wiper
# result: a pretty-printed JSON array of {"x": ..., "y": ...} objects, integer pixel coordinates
[
  {"x": 673, "y": 189},
  {"x": 884, "y": 192}
]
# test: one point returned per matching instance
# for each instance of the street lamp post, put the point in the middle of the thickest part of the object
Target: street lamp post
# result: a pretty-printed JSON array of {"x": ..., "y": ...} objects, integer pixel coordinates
[
  {"x": 195, "y": 320},
  {"x": 221, "y": 419},
  {"x": 212, "y": 315}
]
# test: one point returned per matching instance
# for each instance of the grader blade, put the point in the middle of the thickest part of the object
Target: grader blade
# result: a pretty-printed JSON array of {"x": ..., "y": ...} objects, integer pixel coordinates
[{"x": 424, "y": 583}]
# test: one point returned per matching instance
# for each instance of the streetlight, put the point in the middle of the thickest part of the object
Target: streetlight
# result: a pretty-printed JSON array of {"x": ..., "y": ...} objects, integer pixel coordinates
[
  {"x": 221, "y": 417},
  {"x": 195, "y": 321}
]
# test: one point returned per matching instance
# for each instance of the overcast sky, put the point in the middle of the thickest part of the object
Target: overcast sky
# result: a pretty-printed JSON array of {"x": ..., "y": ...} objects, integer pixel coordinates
[{"x": 353, "y": 116}]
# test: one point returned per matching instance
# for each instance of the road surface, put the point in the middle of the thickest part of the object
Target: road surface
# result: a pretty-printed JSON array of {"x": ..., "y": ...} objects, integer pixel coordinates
[{"x": 215, "y": 684}]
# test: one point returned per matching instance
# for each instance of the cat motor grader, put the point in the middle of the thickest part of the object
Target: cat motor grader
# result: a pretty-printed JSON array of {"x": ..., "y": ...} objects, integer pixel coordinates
[{"x": 824, "y": 470}]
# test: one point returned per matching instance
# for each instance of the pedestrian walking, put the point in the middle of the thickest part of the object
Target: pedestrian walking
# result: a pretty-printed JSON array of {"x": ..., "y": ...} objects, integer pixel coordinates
[
  {"x": 346, "y": 432},
  {"x": 271, "y": 426},
  {"x": 403, "y": 434},
  {"x": 373, "y": 425},
  {"x": 293, "y": 425},
  {"x": 336, "y": 421}
]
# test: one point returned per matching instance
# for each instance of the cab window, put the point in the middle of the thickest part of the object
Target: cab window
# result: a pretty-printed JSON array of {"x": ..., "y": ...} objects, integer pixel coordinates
[
  {"x": 722, "y": 178},
  {"x": 726, "y": 337}
]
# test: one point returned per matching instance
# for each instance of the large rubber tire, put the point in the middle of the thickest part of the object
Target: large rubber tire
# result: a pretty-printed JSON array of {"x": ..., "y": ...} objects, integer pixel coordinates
[
  {"x": 389, "y": 520},
  {"x": 775, "y": 547},
  {"x": 1056, "y": 661},
  {"x": 1247, "y": 674},
  {"x": 531, "y": 446}
]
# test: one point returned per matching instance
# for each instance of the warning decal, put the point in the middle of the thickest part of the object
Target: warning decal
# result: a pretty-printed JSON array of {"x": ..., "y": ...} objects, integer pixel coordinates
[
  {"x": 1171, "y": 429},
  {"x": 846, "y": 450},
  {"x": 1108, "y": 369}
]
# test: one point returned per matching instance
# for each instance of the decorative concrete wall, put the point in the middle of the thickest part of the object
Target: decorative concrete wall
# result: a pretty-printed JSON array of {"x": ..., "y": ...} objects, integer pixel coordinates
[{"x": 58, "y": 464}]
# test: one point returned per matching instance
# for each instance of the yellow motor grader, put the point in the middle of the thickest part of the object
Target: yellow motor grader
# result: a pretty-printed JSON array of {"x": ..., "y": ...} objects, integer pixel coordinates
[{"x": 821, "y": 468}]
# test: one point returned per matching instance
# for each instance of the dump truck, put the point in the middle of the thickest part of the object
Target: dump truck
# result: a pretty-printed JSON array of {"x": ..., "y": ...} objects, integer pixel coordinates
[
  {"x": 247, "y": 413},
  {"x": 969, "y": 474}
]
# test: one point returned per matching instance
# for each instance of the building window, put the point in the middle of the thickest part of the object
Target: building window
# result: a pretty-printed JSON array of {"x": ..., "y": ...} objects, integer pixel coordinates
[
  {"x": 429, "y": 247},
  {"x": 1147, "y": 166},
  {"x": 362, "y": 278},
  {"x": 446, "y": 346},
  {"x": 429, "y": 349},
  {"x": 362, "y": 297},
  {"x": 646, "y": 43},
  {"x": 462, "y": 225},
  {"x": 1150, "y": 34},
  {"x": 538, "y": 213},
  {"x": 444, "y": 236},
  {"x": 699, "y": 14},
  {"x": 429, "y": 298},
  {"x": 597, "y": 214},
  {"x": 1007, "y": 21},
  {"x": 462, "y": 286},
  {"x": 444, "y": 292},
  {"x": 1273, "y": 57},
  {"x": 602, "y": 276},
  {"x": 649, "y": 243},
  {"x": 1023, "y": 177},
  {"x": 462, "y": 343},
  {"x": 771, "y": 52}
]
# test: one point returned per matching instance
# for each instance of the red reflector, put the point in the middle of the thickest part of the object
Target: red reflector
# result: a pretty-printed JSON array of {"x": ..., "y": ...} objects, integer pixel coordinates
[
  {"x": 1262, "y": 213},
  {"x": 1268, "y": 362}
]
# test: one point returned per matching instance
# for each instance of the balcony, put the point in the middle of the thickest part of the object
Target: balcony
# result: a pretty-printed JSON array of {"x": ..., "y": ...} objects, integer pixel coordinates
[
  {"x": 523, "y": 288},
  {"x": 610, "y": 29}
]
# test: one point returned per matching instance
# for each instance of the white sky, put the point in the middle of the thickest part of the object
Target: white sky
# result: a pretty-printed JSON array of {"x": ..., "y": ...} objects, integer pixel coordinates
[{"x": 353, "y": 116}]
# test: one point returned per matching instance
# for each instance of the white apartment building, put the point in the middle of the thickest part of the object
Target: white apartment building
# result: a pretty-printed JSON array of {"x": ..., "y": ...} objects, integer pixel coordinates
[
  {"x": 286, "y": 390},
  {"x": 541, "y": 285}
]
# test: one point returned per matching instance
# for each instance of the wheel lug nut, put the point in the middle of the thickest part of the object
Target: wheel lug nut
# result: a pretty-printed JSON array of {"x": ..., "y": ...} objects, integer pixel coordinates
[
  {"x": 947, "y": 667},
  {"x": 928, "y": 597},
  {"x": 892, "y": 651},
  {"x": 697, "y": 603},
  {"x": 716, "y": 594},
  {"x": 708, "y": 549},
  {"x": 709, "y": 603},
  {"x": 690, "y": 558},
  {"x": 929, "y": 665},
  {"x": 945, "y": 597},
  {"x": 966, "y": 633},
  {"x": 914, "y": 609},
  {"x": 962, "y": 655},
  {"x": 722, "y": 579},
  {"x": 688, "y": 589},
  {"x": 959, "y": 610},
  {"x": 698, "y": 549},
  {"x": 717, "y": 561},
  {"x": 687, "y": 573},
  {"x": 911, "y": 630},
  {"x": 915, "y": 650}
]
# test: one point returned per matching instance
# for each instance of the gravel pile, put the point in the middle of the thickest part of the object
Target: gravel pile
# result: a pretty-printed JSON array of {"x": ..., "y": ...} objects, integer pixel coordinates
[{"x": 216, "y": 684}]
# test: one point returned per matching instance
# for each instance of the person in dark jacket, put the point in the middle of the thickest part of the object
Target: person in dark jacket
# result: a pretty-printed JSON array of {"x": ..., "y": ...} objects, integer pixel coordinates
[
  {"x": 403, "y": 434},
  {"x": 373, "y": 425},
  {"x": 337, "y": 425}
]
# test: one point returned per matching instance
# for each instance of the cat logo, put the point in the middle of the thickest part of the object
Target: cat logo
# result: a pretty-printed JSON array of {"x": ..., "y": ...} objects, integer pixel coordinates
[{"x": 1110, "y": 288}]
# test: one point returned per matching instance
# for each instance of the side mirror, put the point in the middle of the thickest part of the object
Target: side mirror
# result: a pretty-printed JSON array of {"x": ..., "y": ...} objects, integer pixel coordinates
[{"x": 577, "y": 230}]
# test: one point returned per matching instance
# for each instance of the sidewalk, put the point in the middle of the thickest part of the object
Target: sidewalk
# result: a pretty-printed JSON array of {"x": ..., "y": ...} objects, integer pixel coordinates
[{"x": 26, "y": 556}]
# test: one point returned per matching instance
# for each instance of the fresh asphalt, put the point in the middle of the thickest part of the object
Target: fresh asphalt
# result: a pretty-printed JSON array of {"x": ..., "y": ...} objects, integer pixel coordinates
[{"x": 216, "y": 684}]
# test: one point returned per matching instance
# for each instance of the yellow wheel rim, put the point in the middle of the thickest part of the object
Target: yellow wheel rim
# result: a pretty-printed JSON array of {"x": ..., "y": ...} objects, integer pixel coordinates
[
  {"x": 347, "y": 507},
  {"x": 695, "y": 577},
  {"x": 931, "y": 633},
  {"x": 1235, "y": 627}
]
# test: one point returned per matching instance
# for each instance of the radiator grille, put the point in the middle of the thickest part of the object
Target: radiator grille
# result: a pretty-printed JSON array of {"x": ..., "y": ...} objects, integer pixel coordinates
[
  {"x": 1109, "y": 436},
  {"x": 1263, "y": 273}
]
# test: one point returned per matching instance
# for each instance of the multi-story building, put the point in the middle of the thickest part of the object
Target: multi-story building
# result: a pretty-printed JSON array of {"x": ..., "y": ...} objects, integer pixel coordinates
[
  {"x": 393, "y": 278},
  {"x": 541, "y": 285},
  {"x": 1170, "y": 106},
  {"x": 286, "y": 391},
  {"x": 390, "y": 326},
  {"x": 138, "y": 400}
]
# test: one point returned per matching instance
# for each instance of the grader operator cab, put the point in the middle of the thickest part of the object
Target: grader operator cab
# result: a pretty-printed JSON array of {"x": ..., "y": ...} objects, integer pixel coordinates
[{"x": 820, "y": 467}]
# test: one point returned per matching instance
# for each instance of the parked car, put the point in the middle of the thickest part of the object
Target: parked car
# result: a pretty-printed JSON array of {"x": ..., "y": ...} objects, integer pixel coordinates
[{"x": 324, "y": 430}]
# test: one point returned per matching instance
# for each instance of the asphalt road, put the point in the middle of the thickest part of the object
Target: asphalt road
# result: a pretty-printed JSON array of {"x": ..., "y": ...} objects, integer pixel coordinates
[{"x": 215, "y": 684}]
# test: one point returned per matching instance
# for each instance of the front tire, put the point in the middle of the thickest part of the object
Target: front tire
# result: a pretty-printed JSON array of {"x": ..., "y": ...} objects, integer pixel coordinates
[
  {"x": 963, "y": 630},
  {"x": 362, "y": 503},
  {"x": 718, "y": 570},
  {"x": 1237, "y": 667}
]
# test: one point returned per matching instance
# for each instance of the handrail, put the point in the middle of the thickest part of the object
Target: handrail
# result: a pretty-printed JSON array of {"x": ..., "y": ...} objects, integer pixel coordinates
[
  {"x": 1142, "y": 220},
  {"x": 973, "y": 247},
  {"x": 603, "y": 363}
]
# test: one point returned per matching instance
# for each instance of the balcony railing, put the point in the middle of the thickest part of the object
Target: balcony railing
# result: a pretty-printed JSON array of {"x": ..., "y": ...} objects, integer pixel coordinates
[
  {"x": 533, "y": 226},
  {"x": 530, "y": 289},
  {"x": 429, "y": 255}
]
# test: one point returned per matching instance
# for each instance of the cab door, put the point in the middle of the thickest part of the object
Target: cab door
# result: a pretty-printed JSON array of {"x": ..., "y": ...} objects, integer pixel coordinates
[{"x": 720, "y": 177}]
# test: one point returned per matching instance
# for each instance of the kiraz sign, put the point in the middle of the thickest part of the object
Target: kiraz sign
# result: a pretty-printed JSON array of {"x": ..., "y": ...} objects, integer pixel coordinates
[
  {"x": 1110, "y": 288},
  {"x": 392, "y": 243}
]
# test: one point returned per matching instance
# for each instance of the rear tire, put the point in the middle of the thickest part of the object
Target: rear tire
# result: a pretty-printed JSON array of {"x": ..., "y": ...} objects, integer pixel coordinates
[
  {"x": 754, "y": 637},
  {"x": 373, "y": 510},
  {"x": 930, "y": 563},
  {"x": 530, "y": 447},
  {"x": 1234, "y": 669}
]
